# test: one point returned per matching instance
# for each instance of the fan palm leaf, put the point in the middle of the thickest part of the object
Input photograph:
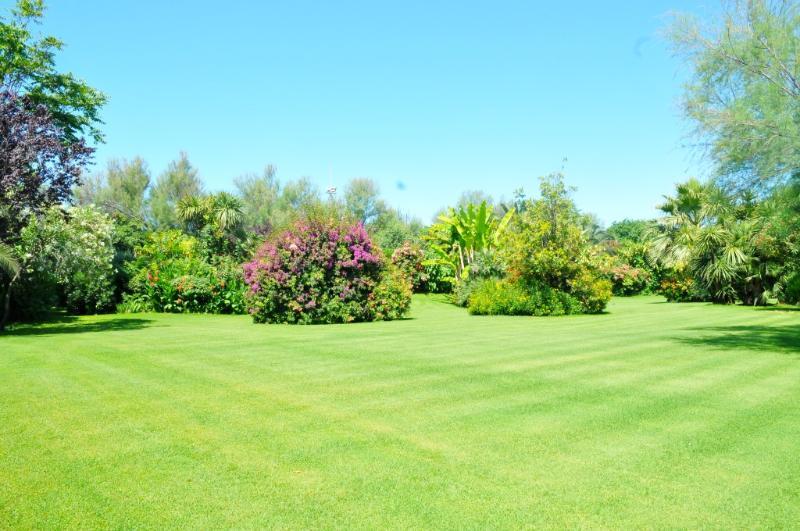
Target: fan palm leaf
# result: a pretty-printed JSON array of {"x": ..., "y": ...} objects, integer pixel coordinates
[{"x": 8, "y": 261}]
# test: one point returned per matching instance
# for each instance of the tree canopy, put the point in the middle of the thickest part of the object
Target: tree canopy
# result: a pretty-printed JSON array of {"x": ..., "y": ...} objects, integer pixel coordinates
[
  {"x": 744, "y": 93},
  {"x": 37, "y": 168},
  {"x": 28, "y": 67}
]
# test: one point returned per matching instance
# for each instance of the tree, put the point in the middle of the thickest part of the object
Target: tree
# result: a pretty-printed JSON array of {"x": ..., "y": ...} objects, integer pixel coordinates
[
  {"x": 391, "y": 229},
  {"x": 362, "y": 200},
  {"x": 295, "y": 197},
  {"x": 547, "y": 245},
  {"x": 629, "y": 230},
  {"x": 121, "y": 191},
  {"x": 259, "y": 196},
  {"x": 547, "y": 241},
  {"x": 38, "y": 168},
  {"x": 178, "y": 181},
  {"x": 725, "y": 242},
  {"x": 474, "y": 197},
  {"x": 9, "y": 267},
  {"x": 782, "y": 214},
  {"x": 745, "y": 92},
  {"x": 28, "y": 67},
  {"x": 215, "y": 218},
  {"x": 593, "y": 228}
]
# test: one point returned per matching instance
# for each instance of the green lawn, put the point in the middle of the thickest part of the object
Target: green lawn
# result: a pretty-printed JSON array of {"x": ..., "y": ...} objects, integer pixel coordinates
[{"x": 652, "y": 415}]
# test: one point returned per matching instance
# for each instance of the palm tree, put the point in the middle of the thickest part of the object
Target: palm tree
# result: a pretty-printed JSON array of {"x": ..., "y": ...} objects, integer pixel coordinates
[
  {"x": 190, "y": 209},
  {"x": 719, "y": 260},
  {"x": 226, "y": 212},
  {"x": 217, "y": 218},
  {"x": 221, "y": 212},
  {"x": 709, "y": 234},
  {"x": 10, "y": 267}
]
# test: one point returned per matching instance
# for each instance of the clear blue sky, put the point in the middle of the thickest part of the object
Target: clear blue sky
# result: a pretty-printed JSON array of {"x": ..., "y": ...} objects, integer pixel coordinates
[{"x": 439, "y": 96}]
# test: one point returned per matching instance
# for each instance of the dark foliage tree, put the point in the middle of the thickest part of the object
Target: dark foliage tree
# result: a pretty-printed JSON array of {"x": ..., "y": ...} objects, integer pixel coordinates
[{"x": 38, "y": 168}]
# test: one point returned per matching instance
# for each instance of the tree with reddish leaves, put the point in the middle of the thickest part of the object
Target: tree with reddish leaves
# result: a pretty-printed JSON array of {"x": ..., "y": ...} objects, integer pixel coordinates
[{"x": 38, "y": 166}]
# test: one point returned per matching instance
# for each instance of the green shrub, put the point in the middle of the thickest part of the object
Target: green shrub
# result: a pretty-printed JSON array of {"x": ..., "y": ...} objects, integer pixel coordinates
[
  {"x": 133, "y": 303},
  {"x": 464, "y": 290},
  {"x": 591, "y": 290},
  {"x": 171, "y": 273},
  {"x": 792, "y": 290},
  {"x": 438, "y": 277},
  {"x": 34, "y": 295},
  {"x": 498, "y": 297},
  {"x": 547, "y": 246},
  {"x": 501, "y": 297},
  {"x": 679, "y": 287},
  {"x": 485, "y": 265},
  {"x": 391, "y": 298}
]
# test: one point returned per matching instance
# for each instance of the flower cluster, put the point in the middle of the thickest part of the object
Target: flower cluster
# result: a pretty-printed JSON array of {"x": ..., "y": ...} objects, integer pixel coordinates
[
  {"x": 629, "y": 280},
  {"x": 321, "y": 272},
  {"x": 408, "y": 258},
  {"x": 74, "y": 250}
]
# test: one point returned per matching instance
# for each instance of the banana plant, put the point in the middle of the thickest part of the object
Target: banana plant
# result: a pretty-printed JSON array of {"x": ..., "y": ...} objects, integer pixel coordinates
[{"x": 461, "y": 234}]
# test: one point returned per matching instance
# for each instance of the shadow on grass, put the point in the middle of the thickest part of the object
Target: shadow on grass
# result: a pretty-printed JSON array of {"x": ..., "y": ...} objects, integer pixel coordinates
[
  {"x": 72, "y": 325},
  {"x": 748, "y": 337},
  {"x": 778, "y": 309}
]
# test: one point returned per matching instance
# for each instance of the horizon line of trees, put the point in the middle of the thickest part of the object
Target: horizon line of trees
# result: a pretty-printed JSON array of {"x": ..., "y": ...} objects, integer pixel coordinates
[
  {"x": 734, "y": 237},
  {"x": 261, "y": 203}
]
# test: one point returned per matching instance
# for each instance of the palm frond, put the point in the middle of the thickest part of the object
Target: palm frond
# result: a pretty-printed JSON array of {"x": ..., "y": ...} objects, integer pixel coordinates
[{"x": 9, "y": 263}]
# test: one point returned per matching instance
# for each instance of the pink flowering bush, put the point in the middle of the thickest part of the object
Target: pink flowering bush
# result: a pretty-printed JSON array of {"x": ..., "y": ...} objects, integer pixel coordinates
[
  {"x": 629, "y": 280},
  {"x": 323, "y": 272}
]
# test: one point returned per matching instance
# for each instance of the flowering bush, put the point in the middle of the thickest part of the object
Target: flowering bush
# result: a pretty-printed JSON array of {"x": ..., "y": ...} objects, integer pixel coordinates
[
  {"x": 408, "y": 259},
  {"x": 680, "y": 287},
  {"x": 71, "y": 254},
  {"x": 172, "y": 274},
  {"x": 323, "y": 272},
  {"x": 629, "y": 280}
]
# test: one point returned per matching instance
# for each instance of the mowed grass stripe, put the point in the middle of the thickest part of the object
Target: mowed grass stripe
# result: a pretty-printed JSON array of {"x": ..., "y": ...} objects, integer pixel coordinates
[{"x": 651, "y": 415}]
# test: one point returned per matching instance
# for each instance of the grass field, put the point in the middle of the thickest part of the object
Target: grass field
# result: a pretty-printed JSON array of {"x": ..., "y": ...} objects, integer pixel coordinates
[{"x": 652, "y": 415}]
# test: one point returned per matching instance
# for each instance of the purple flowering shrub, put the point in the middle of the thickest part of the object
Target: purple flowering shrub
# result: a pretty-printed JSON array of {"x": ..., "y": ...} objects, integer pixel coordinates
[{"x": 323, "y": 272}]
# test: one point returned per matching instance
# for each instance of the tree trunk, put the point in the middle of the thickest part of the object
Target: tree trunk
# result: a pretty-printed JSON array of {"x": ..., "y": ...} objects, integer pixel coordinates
[{"x": 7, "y": 303}]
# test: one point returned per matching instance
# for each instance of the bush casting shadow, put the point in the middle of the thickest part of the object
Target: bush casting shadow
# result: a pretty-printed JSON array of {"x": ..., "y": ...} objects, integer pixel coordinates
[
  {"x": 748, "y": 337},
  {"x": 71, "y": 325}
]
